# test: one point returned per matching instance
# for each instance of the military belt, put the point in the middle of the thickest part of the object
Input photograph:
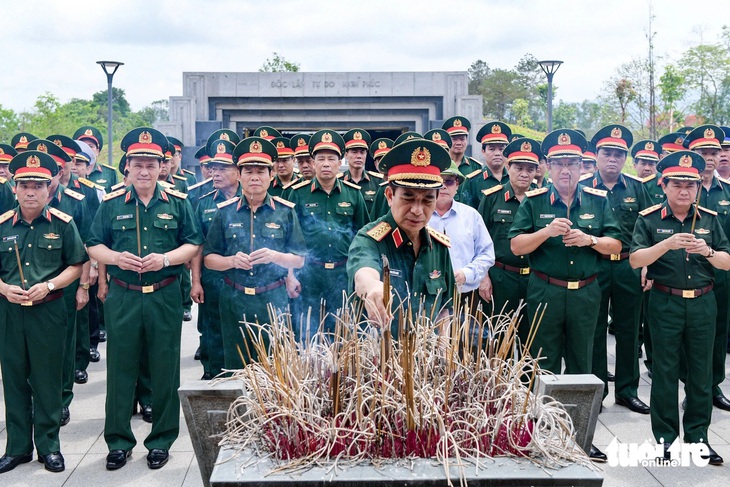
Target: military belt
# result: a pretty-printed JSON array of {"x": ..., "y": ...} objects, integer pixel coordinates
[
  {"x": 685, "y": 293},
  {"x": 253, "y": 291},
  {"x": 145, "y": 289},
  {"x": 616, "y": 257},
  {"x": 327, "y": 265},
  {"x": 572, "y": 285},
  {"x": 517, "y": 270},
  {"x": 49, "y": 297}
]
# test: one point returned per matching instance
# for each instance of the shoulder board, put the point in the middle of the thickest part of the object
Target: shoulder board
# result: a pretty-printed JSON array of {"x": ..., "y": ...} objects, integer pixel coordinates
[
  {"x": 340, "y": 175},
  {"x": 379, "y": 231},
  {"x": 474, "y": 174},
  {"x": 3, "y": 180},
  {"x": 384, "y": 183},
  {"x": 181, "y": 178},
  {"x": 225, "y": 203},
  {"x": 595, "y": 192},
  {"x": 189, "y": 172},
  {"x": 290, "y": 184},
  {"x": 165, "y": 184},
  {"x": 438, "y": 236},
  {"x": 726, "y": 181},
  {"x": 114, "y": 194},
  {"x": 206, "y": 194},
  {"x": 649, "y": 210},
  {"x": 91, "y": 184},
  {"x": 648, "y": 178},
  {"x": 116, "y": 186},
  {"x": 60, "y": 215},
  {"x": 631, "y": 176},
  {"x": 376, "y": 174},
  {"x": 535, "y": 192},
  {"x": 284, "y": 202},
  {"x": 585, "y": 176},
  {"x": 706, "y": 210},
  {"x": 197, "y": 185},
  {"x": 301, "y": 184},
  {"x": 352, "y": 185},
  {"x": 73, "y": 194},
  {"x": 493, "y": 189},
  {"x": 175, "y": 193},
  {"x": 6, "y": 216},
  {"x": 109, "y": 167}
]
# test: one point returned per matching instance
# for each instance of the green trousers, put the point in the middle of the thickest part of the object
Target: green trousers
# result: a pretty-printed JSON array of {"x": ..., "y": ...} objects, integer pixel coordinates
[
  {"x": 33, "y": 347},
  {"x": 508, "y": 289},
  {"x": 186, "y": 285},
  {"x": 567, "y": 327},
  {"x": 621, "y": 288},
  {"x": 140, "y": 324},
  {"x": 648, "y": 346},
  {"x": 681, "y": 326},
  {"x": 209, "y": 323},
  {"x": 69, "y": 358},
  {"x": 83, "y": 338}
]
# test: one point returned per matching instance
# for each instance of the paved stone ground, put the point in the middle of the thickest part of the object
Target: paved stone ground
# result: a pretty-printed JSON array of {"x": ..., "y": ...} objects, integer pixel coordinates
[{"x": 83, "y": 444}]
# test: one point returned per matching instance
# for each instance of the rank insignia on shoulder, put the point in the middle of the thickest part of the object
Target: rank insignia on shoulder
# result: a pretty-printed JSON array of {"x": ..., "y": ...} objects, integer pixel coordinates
[
  {"x": 376, "y": 174},
  {"x": 536, "y": 192},
  {"x": 352, "y": 185},
  {"x": 631, "y": 176},
  {"x": 301, "y": 184},
  {"x": 649, "y": 210},
  {"x": 109, "y": 167},
  {"x": 60, "y": 215},
  {"x": 114, "y": 194},
  {"x": 284, "y": 202},
  {"x": 707, "y": 210},
  {"x": 648, "y": 178},
  {"x": 176, "y": 193},
  {"x": 379, "y": 231},
  {"x": 595, "y": 192},
  {"x": 73, "y": 194},
  {"x": 207, "y": 194},
  {"x": 439, "y": 237},
  {"x": 197, "y": 185},
  {"x": 3, "y": 180},
  {"x": 6, "y": 216},
  {"x": 225, "y": 203},
  {"x": 474, "y": 174},
  {"x": 181, "y": 178},
  {"x": 585, "y": 176},
  {"x": 492, "y": 190}
]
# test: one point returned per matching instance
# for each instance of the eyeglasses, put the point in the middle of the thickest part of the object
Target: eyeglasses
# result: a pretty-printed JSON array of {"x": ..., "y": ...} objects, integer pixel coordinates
[
  {"x": 566, "y": 165},
  {"x": 450, "y": 182}
]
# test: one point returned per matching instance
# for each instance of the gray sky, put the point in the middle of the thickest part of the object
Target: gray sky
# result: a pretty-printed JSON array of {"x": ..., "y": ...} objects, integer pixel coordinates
[{"x": 53, "y": 45}]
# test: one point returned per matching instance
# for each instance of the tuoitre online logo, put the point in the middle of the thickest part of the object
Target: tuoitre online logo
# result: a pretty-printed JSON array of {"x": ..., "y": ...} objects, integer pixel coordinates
[{"x": 652, "y": 454}]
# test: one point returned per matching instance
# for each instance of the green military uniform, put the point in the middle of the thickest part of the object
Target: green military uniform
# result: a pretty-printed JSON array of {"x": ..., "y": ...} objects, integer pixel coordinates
[
  {"x": 7, "y": 197},
  {"x": 198, "y": 190},
  {"x": 470, "y": 192},
  {"x": 103, "y": 174},
  {"x": 31, "y": 349},
  {"x": 369, "y": 185},
  {"x": 461, "y": 126},
  {"x": 283, "y": 150},
  {"x": 147, "y": 314},
  {"x": 177, "y": 146},
  {"x": 6, "y": 155},
  {"x": 653, "y": 189}
]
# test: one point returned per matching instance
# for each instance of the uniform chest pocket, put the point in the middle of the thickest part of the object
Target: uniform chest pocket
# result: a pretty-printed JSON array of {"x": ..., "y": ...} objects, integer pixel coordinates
[
  {"x": 312, "y": 211},
  {"x": 590, "y": 226},
  {"x": 165, "y": 234},
  {"x": 233, "y": 233},
  {"x": 345, "y": 210},
  {"x": 369, "y": 196},
  {"x": 704, "y": 234},
  {"x": 434, "y": 286},
  {"x": 273, "y": 230},
  {"x": 49, "y": 251},
  {"x": 504, "y": 218},
  {"x": 124, "y": 235}
]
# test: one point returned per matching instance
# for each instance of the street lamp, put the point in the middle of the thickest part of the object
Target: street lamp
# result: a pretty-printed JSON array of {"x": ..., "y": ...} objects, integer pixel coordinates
[
  {"x": 549, "y": 68},
  {"x": 109, "y": 67}
]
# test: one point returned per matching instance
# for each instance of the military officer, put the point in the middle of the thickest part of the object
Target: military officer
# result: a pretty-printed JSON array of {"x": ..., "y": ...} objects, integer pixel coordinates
[
  {"x": 458, "y": 129},
  {"x": 144, "y": 235},
  {"x": 102, "y": 174},
  {"x": 35, "y": 326},
  {"x": 266, "y": 132},
  {"x": 335, "y": 208},
  {"x": 494, "y": 137},
  {"x": 7, "y": 197},
  {"x": 176, "y": 150},
  {"x": 206, "y": 186},
  {"x": 418, "y": 257},
  {"x": 378, "y": 149},
  {"x": 6, "y": 155},
  {"x": 646, "y": 156},
  {"x": 20, "y": 141},
  {"x": 305, "y": 163},
  {"x": 254, "y": 239},
  {"x": 283, "y": 167},
  {"x": 357, "y": 143},
  {"x": 682, "y": 246},
  {"x": 588, "y": 165},
  {"x": 168, "y": 178},
  {"x": 723, "y": 163}
]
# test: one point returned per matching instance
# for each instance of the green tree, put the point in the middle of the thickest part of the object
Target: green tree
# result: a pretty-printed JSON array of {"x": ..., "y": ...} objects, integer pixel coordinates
[
  {"x": 9, "y": 124},
  {"x": 521, "y": 112},
  {"x": 565, "y": 115},
  {"x": 706, "y": 69},
  {"x": 478, "y": 72},
  {"x": 278, "y": 65},
  {"x": 499, "y": 90},
  {"x": 671, "y": 91},
  {"x": 120, "y": 105}
]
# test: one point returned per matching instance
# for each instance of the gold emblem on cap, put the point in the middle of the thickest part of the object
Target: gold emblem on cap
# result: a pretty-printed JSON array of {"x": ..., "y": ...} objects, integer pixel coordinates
[
  {"x": 301, "y": 142},
  {"x": 436, "y": 136},
  {"x": 421, "y": 157},
  {"x": 685, "y": 161},
  {"x": 264, "y": 133},
  {"x": 457, "y": 122},
  {"x": 58, "y": 143},
  {"x": 33, "y": 161},
  {"x": 678, "y": 141},
  {"x": 357, "y": 136},
  {"x": 89, "y": 132},
  {"x": 382, "y": 144},
  {"x": 256, "y": 147},
  {"x": 709, "y": 134},
  {"x": 221, "y": 149},
  {"x": 496, "y": 129},
  {"x": 616, "y": 133},
  {"x": 326, "y": 137},
  {"x": 23, "y": 139},
  {"x": 649, "y": 146},
  {"x": 145, "y": 138},
  {"x": 526, "y": 147},
  {"x": 280, "y": 145},
  {"x": 1, "y": 151},
  {"x": 563, "y": 139},
  {"x": 224, "y": 136},
  {"x": 42, "y": 148}
]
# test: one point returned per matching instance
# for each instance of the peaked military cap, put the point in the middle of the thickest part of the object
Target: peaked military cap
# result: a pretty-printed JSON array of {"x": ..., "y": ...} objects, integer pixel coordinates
[
  {"x": 283, "y": 147},
  {"x": 704, "y": 137},
  {"x": 416, "y": 163},
  {"x": 266, "y": 132},
  {"x": 255, "y": 151},
  {"x": 440, "y": 136},
  {"x": 523, "y": 150},
  {"x": 7, "y": 153},
  {"x": 684, "y": 164},
  {"x": 20, "y": 141},
  {"x": 357, "y": 139},
  {"x": 91, "y": 133},
  {"x": 202, "y": 154},
  {"x": 564, "y": 143},
  {"x": 725, "y": 142},
  {"x": 69, "y": 145},
  {"x": 326, "y": 140},
  {"x": 685, "y": 130},
  {"x": 515, "y": 137},
  {"x": 589, "y": 155},
  {"x": 43, "y": 145},
  {"x": 300, "y": 144},
  {"x": 645, "y": 149},
  {"x": 671, "y": 142},
  {"x": 145, "y": 142},
  {"x": 381, "y": 146},
  {"x": 407, "y": 136},
  {"x": 457, "y": 126},
  {"x": 33, "y": 165},
  {"x": 123, "y": 164},
  {"x": 494, "y": 133},
  {"x": 176, "y": 144},
  {"x": 224, "y": 134},
  {"x": 85, "y": 153},
  {"x": 221, "y": 152},
  {"x": 613, "y": 136}
]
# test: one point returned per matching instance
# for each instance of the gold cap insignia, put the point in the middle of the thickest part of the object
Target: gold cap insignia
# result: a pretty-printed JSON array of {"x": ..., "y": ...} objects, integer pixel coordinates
[
  {"x": 709, "y": 134},
  {"x": 1, "y": 151},
  {"x": 678, "y": 141},
  {"x": 23, "y": 139},
  {"x": 42, "y": 148},
  {"x": 649, "y": 146},
  {"x": 58, "y": 143},
  {"x": 301, "y": 142},
  {"x": 526, "y": 147},
  {"x": 225, "y": 136},
  {"x": 616, "y": 133},
  {"x": 89, "y": 132},
  {"x": 421, "y": 157},
  {"x": 685, "y": 161},
  {"x": 280, "y": 145},
  {"x": 436, "y": 136},
  {"x": 564, "y": 139},
  {"x": 264, "y": 133},
  {"x": 145, "y": 138},
  {"x": 357, "y": 136},
  {"x": 382, "y": 144},
  {"x": 33, "y": 161},
  {"x": 327, "y": 137},
  {"x": 256, "y": 147},
  {"x": 457, "y": 123},
  {"x": 221, "y": 149},
  {"x": 496, "y": 129}
]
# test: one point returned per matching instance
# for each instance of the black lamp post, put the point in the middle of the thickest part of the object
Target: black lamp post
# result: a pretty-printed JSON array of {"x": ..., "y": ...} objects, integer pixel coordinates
[
  {"x": 549, "y": 68},
  {"x": 109, "y": 67}
]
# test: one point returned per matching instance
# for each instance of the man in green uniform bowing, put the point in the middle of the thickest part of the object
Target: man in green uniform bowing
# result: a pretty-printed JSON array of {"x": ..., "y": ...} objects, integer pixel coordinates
[
  {"x": 144, "y": 235},
  {"x": 42, "y": 253}
]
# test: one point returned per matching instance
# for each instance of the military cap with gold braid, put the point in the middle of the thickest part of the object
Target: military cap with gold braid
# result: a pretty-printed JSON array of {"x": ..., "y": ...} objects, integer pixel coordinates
[
  {"x": 407, "y": 136},
  {"x": 221, "y": 152},
  {"x": 684, "y": 165},
  {"x": 282, "y": 147},
  {"x": 685, "y": 130},
  {"x": 69, "y": 146},
  {"x": 266, "y": 132},
  {"x": 494, "y": 133},
  {"x": 123, "y": 164},
  {"x": 177, "y": 145},
  {"x": 202, "y": 155},
  {"x": 515, "y": 137},
  {"x": 20, "y": 141},
  {"x": 224, "y": 134},
  {"x": 326, "y": 140},
  {"x": 7, "y": 153},
  {"x": 564, "y": 143},
  {"x": 645, "y": 149},
  {"x": 704, "y": 137},
  {"x": 380, "y": 147},
  {"x": 613, "y": 136},
  {"x": 440, "y": 136},
  {"x": 457, "y": 126},
  {"x": 416, "y": 163},
  {"x": 357, "y": 139},
  {"x": 33, "y": 165},
  {"x": 671, "y": 142},
  {"x": 42, "y": 145},
  {"x": 255, "y": 151},
  {"x": 589, "y": 155},
  {"x": 300, "y": 144},
  {"x": 91, "y": 133},
  {"x": 523, "y": 150},
  {"x": 144, "y": 142},
  {"x": 725, "y": 142}
]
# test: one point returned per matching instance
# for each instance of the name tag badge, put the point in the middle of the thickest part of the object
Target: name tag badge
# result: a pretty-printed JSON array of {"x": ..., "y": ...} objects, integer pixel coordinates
[
  {"x": 11, "y": 238},
  {"x": 235, "y": 225},
  {"x": 395, "y": 273},
  {"x": 664, "y": 231},
  {"x": 504, "y": 212},
  {"x": 547, "y": 215},
  {"x": 311, "y": 205},
  {"x": 210, "y": 210},
  {"x": 124, "y": 217}
]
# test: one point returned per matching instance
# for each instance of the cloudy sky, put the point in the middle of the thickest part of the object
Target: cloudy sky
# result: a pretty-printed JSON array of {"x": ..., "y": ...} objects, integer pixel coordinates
[{"x": 53, "y": 45}]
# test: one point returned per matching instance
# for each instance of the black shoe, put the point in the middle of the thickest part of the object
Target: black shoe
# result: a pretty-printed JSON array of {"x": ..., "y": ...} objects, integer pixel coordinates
[
  {"x": 81, "y": 377},
  {"x": 610, "y": 377},
  {"x": 65, "y": 416},
  {"x": 197, "y": 354},
  {"x": 7, "y": 462},
  {"x": 187, "y": 316},
  {"x": 633, "y": 403},
  {"x": 714, "y": 458},
  {"x": 94, "y": 355},
  {"x": 206, "y": 376},
  {"x": 102, "y": 336},
  {"x": 722, "y": 402},
  {"x": 597, "y": 455},
  {"x": 157, "y": 458},
  {"x": 53, "y": 462},
  {"x": 116, "y": 459},
  {"x": 146, "y": 413}
]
